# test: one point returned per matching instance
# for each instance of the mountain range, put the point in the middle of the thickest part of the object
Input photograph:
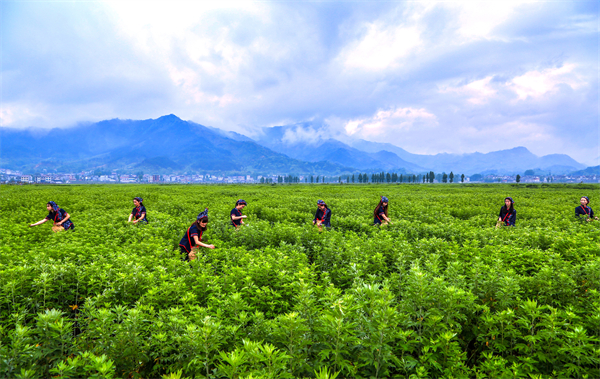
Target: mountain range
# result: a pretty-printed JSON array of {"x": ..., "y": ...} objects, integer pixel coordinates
[{"x": 171, "y": 145}]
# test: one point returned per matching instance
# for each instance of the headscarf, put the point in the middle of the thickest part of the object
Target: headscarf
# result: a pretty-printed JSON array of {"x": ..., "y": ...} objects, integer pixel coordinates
[
  {"x": 320, "y": 202},
  {"x": 202, "y": 215},
  {"x": 240, "y": 201},
  {"x": 139, "y": 199},
  {"x": 54, "y": 206},
  {"x": 510, "y": 198},
  {"x": 384, "y": 199},
  {"x": 587, "y": 198}
]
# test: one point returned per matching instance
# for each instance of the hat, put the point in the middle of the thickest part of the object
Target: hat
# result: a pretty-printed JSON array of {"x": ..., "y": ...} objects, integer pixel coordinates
[
  {"x": 55, "y": 207},
  {"x": 203, "y": 214},
  {"x": 320, "y": 202},
  {"x": 384, "y": 199}
]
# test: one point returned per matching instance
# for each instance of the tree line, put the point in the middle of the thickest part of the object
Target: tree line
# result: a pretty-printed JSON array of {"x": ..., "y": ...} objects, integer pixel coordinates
[{"x": 382, "y": 177}]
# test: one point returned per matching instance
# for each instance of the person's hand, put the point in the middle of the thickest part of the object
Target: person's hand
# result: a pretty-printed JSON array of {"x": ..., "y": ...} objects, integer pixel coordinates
[
  {"x": 211, "y": 246},
  {"x": 135, "y": 222},
  {"x": 30, "y": 225},
  {"x": 244, "y": 216},
  {"x": 192, "y": 255},
  {"x": 588, "y": 219}
]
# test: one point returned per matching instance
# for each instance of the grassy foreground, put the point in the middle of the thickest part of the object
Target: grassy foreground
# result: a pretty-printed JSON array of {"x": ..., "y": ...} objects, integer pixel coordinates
[{"x": 440, "y": 293}]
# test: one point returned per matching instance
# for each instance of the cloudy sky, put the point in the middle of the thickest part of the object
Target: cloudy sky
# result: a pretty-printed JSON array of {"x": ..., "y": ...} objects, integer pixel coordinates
[{"x": 429, "y": 77}]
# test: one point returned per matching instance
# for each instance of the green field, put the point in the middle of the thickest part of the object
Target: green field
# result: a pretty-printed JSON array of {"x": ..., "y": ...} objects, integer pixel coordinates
[{"x": 440, "y": 293}]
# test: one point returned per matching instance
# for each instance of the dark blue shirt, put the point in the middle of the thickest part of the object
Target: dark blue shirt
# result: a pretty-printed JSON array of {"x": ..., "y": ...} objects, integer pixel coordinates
[
  {"x": 138, "y": 211},
  {"x": 509, "y": 220},
  {"x": 379, "y": 215},
  {"x": 235, "y": 212},
  {"x": 323, "y": 216},
  {"x": 59, "y": 216},
  {"x": 585, "y": 212},
  {"x": 187, "y": 242}
]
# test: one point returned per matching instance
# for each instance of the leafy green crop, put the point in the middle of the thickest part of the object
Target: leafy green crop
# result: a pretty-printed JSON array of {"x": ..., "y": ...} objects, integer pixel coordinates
[{"x": 439, "y": 293}]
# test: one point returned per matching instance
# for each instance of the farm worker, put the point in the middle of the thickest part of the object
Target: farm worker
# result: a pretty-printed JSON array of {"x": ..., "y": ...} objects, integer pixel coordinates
[
  {"x": 60, "y": 217},
  {"x": 584, "y": 209},
  {"x": 236, "y": 213},
  {"x": 323, "y": 215},
  {"x": 508, "y": 214},
  {"x": 139, "y": 212},
  {"x": 192, "y": 239},
  {"x": 380, "y": 214}
]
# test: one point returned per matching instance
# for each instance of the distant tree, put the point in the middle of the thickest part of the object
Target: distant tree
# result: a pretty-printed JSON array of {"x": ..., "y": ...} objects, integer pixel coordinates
[
  {"x": 388, "y": 177},
  {"x": 518, "y": 178},
  {"x": 444, "y": 177},
  {"x": 462, "y": 178},
  {"x": 312, "y": 179},
  {"x": 529, "y": 173},
  {"x": 401, "y": 178},
  {"x": 352, "y": 178},
  {"x": 340, "y": 179},
  {"x": 279, "y": 179},
  {"x": 431, "y": 176},
  {"x": 262, "y": 180},
  {"x": 451, "y": 176},
  {"x": 414, "y": 178},
  {"x": 476, "y": 177},
  {"x": 317, "y": 178}
]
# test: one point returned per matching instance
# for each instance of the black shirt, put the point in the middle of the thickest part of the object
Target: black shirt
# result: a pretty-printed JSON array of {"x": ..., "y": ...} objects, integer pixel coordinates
[
  {"x": 379, "y": 215},
  {"x": 236, "y": 213},
  {"x": 57, "y": 217},
  {"x": 585, "y": 212},
  {"x": 187, "y": 241},
  {"x": 509, "y": 220},
  {"x": 323, "y": 216},
  {"x": 138, "y": 211}
]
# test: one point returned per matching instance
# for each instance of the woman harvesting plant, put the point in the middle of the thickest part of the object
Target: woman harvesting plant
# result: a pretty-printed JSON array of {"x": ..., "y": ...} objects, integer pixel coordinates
[
  {"x": 139, "y": 212},
  {"x": 508, "y": 214},
  {"x": 60, "y": 217},
  {"x": 323, "y": 215},
  {"x": 584, "y": 209},
  {"x": 192, "y": 239},
  {"x": 236, "y": 213},
  {"x": 380, "y": 214}
]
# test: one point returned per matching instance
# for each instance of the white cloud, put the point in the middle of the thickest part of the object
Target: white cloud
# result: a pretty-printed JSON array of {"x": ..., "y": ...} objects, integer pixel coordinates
[
  {"x": 394, "y": 120},
  {"x": 382, "y": 47},
  {"x": 477, "y": 92},
  {"x": 478, "y": 19},
  {"x": 534, "y": 84}
]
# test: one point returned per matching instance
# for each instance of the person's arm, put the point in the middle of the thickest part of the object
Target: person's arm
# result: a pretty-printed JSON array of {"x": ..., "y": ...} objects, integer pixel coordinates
[
  {"x": 39, "y": 222},
  {"x": 198, "y": 243},
  {"x": 513, "y": 218},
  {"x": 68, "y": 216},
  {"x": 130, "y": 216},
  {"x": 238, "y": 217}
]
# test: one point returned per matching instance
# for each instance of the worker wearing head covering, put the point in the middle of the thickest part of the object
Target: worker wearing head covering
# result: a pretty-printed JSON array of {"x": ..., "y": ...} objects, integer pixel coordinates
[{"x": 192, "y": 239}]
